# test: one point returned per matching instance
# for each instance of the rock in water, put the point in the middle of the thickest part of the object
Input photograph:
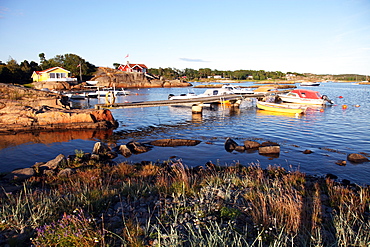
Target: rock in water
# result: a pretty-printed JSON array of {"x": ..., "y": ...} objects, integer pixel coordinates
[
  {"x": 174, "y": 142},
  {"x": 269, "y": 148},
  {"x": 357, "y": 158},
  {"x": 251, "y": 144},
  {"x": 230, "y": 145}
]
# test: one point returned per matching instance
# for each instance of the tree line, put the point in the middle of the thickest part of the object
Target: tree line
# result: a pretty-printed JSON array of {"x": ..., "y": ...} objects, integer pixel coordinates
[
  {"x": 12, "y": 72},
  {"x": 192, "y": 74}
]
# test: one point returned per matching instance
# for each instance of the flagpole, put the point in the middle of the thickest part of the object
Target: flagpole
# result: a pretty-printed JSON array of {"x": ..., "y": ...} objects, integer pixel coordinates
[{"x": 80, "y": 73}]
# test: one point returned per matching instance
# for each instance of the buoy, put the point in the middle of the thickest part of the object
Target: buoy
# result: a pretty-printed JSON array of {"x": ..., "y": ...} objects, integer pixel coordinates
[
  {"x": 341, "y": 97},
  {"x": 357, "y": 105},
  {"x": 321, "y": 110},
  {"x": 344, "y": 106}
]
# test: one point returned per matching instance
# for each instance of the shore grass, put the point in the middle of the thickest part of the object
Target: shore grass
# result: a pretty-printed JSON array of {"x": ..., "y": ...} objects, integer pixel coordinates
[{"x": 169, "y": 204}]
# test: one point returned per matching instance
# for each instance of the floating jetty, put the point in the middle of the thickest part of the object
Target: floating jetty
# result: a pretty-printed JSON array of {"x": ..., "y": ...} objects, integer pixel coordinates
[{"x": 232, "y": 98}]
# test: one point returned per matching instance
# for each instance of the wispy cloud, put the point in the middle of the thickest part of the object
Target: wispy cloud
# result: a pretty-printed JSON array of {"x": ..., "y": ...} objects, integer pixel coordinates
[
  {"x": 3, "y": 11},
  {"x": 193, "y": 60}
]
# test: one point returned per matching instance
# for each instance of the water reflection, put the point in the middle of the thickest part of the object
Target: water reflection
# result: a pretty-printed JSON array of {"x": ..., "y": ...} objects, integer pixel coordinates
[{"x": 52, "y": 137}]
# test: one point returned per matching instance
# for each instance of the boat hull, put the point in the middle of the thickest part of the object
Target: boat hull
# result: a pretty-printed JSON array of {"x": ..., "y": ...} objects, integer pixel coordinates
[
  {"x": 310, "y": 84},
  {"x": 302, "y": 101},
  {"x": 279, "y": 108}
]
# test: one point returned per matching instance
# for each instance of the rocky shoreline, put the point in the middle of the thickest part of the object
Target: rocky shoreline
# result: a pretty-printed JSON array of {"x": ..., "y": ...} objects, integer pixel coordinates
[
  {"x": 105, "y": 154},
  {"x": 167, "y": 203},
  {"x": 28, "y": 110}
]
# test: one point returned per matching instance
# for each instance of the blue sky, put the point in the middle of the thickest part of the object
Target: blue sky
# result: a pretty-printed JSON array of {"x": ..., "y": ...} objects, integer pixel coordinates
[{"x": 311, "y": 36}]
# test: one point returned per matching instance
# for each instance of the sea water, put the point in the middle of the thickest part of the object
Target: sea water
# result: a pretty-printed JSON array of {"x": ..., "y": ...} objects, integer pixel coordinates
[{"x": 331, "y": 133}]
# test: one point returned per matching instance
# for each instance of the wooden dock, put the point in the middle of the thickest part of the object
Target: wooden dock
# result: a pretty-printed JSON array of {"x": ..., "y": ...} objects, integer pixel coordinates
[{"x": 233, "y": 98}]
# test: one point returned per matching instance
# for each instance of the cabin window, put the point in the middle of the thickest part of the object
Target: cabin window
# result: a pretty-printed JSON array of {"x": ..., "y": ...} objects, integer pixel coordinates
[
  {"x": 215, "y": 92},
  {"x": 57, "y": 75}
]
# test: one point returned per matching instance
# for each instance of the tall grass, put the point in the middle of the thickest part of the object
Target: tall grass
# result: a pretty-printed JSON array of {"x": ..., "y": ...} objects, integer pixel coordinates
[{"x": 172, "y": 205}]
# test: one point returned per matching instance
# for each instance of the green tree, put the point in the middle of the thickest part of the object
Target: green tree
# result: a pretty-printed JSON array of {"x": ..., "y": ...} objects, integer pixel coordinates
[
  {"x": 5, "y": 74},
  {"x": 205, "y": 72},
  {"x": 72, "y": 62},
  {"x": 116, "y": 65}
]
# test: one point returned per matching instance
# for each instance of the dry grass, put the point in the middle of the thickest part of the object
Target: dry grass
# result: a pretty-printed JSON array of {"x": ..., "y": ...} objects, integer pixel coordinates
[{"x": 172, "y": 205}]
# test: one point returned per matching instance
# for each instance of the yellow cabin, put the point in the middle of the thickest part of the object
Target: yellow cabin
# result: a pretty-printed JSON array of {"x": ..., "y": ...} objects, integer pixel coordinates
[{"x": 52, "y": 74}]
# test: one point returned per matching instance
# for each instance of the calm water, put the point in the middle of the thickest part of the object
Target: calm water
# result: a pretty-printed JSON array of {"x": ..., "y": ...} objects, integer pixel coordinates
[{"x": 331, "y": 134}]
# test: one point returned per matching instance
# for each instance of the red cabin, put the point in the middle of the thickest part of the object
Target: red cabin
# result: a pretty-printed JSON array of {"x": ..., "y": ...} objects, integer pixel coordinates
[{"x": 133, "y": 67}]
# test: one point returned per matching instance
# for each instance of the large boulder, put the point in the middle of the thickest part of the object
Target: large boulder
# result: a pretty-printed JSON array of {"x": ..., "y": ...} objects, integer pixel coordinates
[
  {"x": 269, "y": 148},
  {"x": 100, "y": 148},
  {"x": 21, "y": 174},
  {"x": 52, "y": 85},
  {"x": 251, "y": 144},
  {"x": 137, "y": 147},
  {"x": 125, "y": 151},
  {"x": 230, "y": 145},
  {"x": 357, "y": 158},
  {"x": 39, "y": 110},
  {"x": 107, "y": 77},
  {"x": 59, "y": 162}
]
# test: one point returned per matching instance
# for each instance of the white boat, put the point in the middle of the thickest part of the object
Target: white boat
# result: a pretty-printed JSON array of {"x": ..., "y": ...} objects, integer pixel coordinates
[
  {"x": 104, "y": 91},
  {"x": 303, "y": 96},
  {"x": 216, "y": 92},
  {"x": 208, "y": 93},
  {"x": 310, "y": 84},
  {"x": 91, "y": 94},
  {"x": 183, "y": 96},
  {"x": 75, "y": 95},
  {"x": 238, "y": 89}
]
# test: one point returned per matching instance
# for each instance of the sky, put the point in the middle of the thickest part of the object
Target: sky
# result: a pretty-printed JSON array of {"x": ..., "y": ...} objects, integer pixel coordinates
[{"x": 304, "y": 36}]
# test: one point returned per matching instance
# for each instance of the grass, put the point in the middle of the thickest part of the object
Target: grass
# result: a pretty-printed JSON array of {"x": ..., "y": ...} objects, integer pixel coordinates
[{"x": 169, "y": 204}]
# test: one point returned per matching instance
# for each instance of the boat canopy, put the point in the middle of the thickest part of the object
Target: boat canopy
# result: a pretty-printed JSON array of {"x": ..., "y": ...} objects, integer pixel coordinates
[{"x": 309, "y": 94}]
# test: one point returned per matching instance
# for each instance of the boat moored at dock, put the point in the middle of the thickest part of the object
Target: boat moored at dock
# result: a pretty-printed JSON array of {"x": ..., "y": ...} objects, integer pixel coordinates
[
  {"x": 280, "y": 107},
  {"x": 303, "y": 96}
]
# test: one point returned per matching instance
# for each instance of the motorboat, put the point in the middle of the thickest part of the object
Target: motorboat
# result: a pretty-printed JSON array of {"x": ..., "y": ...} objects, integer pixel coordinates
[
  {"x": 310, "y": 84},
  {"x": 75, "y": 95},
  {"x": 216, "y": 92},
  {"x": 303, "y": 96},
  {"x": 208, "y": 93},
  {"x": 183, "y": 96},
  {"x": 280, "y": 107},
  {"x": 104, "y": 91},
  {"x": 237, "y": 89},
  {"x": 93, "y": 94}
]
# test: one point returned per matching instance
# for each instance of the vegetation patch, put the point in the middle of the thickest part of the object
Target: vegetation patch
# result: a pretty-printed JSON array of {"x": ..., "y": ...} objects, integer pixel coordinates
[{"x": 169, "y": 204}]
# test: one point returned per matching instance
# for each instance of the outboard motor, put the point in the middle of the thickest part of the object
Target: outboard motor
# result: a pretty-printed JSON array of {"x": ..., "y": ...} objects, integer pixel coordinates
[{"x": 324, "y": 97}]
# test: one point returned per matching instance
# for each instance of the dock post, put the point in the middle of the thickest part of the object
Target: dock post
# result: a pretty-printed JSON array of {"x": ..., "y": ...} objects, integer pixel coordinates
[
  {"x": 197, "y": 109},
  {"x": 236, "y": 104}
]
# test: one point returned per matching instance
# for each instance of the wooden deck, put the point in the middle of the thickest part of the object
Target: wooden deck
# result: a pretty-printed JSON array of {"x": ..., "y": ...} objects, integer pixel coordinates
[{"x": 196, "y": 101}]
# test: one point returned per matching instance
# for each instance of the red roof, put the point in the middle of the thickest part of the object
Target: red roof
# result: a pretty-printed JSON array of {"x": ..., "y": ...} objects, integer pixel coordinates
[{"x": 137, "y": 64}]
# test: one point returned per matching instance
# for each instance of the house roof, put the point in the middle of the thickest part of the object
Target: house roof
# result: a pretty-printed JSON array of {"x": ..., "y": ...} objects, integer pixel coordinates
[
  {"x": 140, "y": 65},
  {"x": 49, "y": 70},
  {"x": 132, "y": 65}
]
